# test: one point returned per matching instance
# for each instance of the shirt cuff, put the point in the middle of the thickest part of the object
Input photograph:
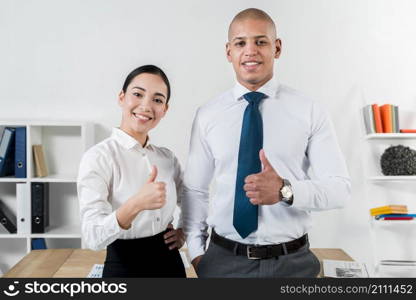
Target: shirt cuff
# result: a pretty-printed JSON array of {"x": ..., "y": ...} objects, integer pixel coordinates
[
  {"x": 300, "y": 195},
  {"x": 113, "y": 226},
  {"x": 195, "y": 248}
]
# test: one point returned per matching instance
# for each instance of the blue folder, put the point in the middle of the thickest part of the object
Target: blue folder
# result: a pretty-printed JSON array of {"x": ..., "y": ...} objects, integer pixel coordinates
[
  {"x": 20, "y": 153},
  {"x": 7, "y": 146},
  {"x": 38, "y": 243}
]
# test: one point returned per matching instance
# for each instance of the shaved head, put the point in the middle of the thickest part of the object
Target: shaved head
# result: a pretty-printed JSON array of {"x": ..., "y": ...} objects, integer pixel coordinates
[{"x": 254, "y": 14}]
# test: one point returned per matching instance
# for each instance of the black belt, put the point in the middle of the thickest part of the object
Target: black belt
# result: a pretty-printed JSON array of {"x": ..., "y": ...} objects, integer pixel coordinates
[{"x": 259, "y": 251}]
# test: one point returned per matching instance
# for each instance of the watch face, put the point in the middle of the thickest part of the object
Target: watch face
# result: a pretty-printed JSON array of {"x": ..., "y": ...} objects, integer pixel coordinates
[{"x": 286, "y": 192}]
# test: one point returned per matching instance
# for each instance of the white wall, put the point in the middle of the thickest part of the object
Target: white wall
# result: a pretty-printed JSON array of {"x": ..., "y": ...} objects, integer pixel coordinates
[{"x": 66, "y": 60}]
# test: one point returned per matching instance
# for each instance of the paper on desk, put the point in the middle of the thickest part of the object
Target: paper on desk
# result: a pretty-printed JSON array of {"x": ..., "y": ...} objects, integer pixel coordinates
[
  {"x": 96, "y": 271},
  {"x": 344, "y": 269}
]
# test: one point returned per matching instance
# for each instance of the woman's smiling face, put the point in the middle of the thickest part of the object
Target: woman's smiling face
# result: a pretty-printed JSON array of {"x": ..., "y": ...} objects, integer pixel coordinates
[{"x": 143, "y": 105}]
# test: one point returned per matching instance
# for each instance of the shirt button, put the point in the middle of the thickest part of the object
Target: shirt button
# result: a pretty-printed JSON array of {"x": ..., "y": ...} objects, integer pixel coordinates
[{"x": 157, "y": 219}]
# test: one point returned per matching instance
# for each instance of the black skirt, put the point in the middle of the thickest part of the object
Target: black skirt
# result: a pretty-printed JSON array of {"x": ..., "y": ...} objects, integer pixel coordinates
[{"x": 144, "y": 257}]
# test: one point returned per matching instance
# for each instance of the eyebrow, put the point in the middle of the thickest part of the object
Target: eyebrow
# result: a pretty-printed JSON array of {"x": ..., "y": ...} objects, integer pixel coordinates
[
  {"x": 144, "y": 90},
  {"x": 244, "y": 38}
]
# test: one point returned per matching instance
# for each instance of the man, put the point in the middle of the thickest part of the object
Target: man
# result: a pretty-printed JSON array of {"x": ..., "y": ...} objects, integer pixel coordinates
[{"x": 274, "y": 156}]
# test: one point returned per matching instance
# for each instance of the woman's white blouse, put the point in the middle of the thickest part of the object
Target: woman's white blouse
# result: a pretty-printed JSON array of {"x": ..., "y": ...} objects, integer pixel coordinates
[{"x": 113, "y": 171}]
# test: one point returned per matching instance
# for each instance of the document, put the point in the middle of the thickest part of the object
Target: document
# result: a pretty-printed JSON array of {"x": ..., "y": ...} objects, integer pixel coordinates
[
  {"x": 96, "y": 271},
  {"x": 344, "y": 269}
]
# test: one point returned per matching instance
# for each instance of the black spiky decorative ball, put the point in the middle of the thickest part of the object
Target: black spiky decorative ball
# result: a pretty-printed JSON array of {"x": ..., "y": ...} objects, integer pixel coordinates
[{"x": 398, "y": 160}]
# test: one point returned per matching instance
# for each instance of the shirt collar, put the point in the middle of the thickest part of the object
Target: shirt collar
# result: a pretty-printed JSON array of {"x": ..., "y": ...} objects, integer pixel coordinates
[
  {"x": 126, "y": 140},
  {"x": 270, "y": 88}
]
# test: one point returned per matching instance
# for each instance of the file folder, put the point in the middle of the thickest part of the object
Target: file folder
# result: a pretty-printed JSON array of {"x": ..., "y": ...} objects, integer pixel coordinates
[
  {"x": 7, "y": 152},
  {"x": 38, "y": 243},
  {"x": 20, "y": 153},
  {"x": 40, "y": 206},
  {"x": 7, "y": 218},
  {"x": 23, "y": 208}
]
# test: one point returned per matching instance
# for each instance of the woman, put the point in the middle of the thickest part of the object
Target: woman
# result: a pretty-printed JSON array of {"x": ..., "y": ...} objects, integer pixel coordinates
[{"x": 128, "y": 188}]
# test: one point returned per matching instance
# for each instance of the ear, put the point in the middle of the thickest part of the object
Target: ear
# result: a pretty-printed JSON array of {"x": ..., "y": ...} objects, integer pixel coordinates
[
  {"x": 228, "y": 51},
  {"x": 278, "y": 48},
  {"x": 121, "y": 97}
]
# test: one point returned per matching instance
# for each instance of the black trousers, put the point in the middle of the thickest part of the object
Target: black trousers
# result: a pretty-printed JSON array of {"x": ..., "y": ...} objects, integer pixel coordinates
[{"x": 144, "y": 257}]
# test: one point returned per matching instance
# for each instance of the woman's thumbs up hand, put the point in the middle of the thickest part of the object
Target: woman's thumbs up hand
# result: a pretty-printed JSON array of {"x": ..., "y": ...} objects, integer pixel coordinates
[{"x": 153, "y": 194}]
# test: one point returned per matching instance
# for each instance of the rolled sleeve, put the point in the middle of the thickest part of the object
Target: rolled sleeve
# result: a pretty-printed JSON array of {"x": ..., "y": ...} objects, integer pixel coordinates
[
  {"x": 98, "y": 220},
  {"x": 329, "y": 186}
]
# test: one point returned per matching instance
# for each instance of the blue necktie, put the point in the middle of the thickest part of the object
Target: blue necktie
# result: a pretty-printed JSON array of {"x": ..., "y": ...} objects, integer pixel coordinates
[{"x": 251, "y": 142}]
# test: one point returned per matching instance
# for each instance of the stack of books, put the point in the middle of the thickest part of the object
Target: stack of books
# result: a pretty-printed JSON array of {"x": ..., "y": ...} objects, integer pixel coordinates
[
  {"x": 381, "y": 119},
  {"x": 391, "y": 213}
]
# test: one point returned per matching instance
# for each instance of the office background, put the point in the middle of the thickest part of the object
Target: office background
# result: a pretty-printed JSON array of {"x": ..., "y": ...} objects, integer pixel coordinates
[{"x": 67, "y": 60}]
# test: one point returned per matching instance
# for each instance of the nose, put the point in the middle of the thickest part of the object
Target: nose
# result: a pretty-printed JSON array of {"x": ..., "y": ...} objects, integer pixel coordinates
[
  {"x": 251, "y": 49},
  {"x": 145, "y": 104}
]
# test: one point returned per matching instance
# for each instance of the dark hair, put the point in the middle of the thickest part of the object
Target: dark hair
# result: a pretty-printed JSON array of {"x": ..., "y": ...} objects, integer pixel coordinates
[{"x": 151, "y": 69}]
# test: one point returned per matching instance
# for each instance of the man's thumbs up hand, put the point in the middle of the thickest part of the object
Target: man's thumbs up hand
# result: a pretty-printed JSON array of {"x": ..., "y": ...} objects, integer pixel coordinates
[
  {"x": 264, "y": 188},
  {"x": 153, "y": 175}
]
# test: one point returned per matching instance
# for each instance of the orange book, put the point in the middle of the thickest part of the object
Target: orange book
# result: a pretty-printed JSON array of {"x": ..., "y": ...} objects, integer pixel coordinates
[
  {"x": 377, "y": 118},
  {"x": 386, "y": 120},
  {"x": 408, "y": 130}
]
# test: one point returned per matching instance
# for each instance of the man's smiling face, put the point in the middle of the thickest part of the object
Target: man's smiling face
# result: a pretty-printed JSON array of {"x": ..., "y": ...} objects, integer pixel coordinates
[{"x": 252, "y": 49}]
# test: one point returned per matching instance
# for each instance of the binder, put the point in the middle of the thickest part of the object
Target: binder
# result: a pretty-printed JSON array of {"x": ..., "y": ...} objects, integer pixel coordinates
[
  {"x": 7, "y": 152},
  {"x": 23, "y": 208},
  {"x": 40, "y": 206},
  {"x": 38, "y": 243},
  {"x": 20, "y": 153},
  {"x": 7, "y": 218}
]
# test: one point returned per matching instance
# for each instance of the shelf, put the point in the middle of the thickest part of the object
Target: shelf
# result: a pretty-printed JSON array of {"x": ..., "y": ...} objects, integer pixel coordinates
[
  {"x": 391, "y": 178},
  {"x": 377, "y": 136},
  {"x": 392, "y": 222},
  {"x": 12, "y": 179},
  {"x": 68, "y": 231},
  {"x": 56, "y": 178},
  {"x": 12, "y": 236},
  {"x": 51, "y": 178}
]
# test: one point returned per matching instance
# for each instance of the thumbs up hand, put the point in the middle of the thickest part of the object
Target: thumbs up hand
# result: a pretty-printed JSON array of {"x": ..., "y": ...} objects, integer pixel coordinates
[
  {"x": 264, "y": 188},
  {"x": 153, "y": 194}
]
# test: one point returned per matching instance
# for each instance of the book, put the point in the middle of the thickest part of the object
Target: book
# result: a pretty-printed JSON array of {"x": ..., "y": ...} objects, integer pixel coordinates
[
  {"x": 386, "y": 118},
  {"x": 344, "y": 269},
  {"x": 40, "y": 206},
  {"x": 23, "y": 208},
  {"x": 7, "y": 146},
  {"x": 377, "y": 118},
  {"x": 396, "y": 119},
  {"x": 389, "y": 209},
  {"x": 368, "y": 119},
  {"x": 7, "y": 218},
  {"x": 383, "y": 216},
  {"x": 41, "y": 169},
  {"x": 407, "y": 130},
  {"x": 20, "y": 152},
  {"x": 397, "y": 218}
]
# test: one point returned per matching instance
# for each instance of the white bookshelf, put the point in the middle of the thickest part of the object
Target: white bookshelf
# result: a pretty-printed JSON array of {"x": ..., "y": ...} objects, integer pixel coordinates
[
  {"x": 390, "y": 239},
  {"x": 64, "y": 144}
]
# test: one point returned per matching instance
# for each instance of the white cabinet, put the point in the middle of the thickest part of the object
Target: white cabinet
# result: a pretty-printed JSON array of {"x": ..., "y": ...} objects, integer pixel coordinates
[
  {"x": 393, "y": 242},
  {"x": 64, "y": 144}
]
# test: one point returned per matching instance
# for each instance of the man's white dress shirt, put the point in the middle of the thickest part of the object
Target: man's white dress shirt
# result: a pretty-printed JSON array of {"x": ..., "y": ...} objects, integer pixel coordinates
[
  {"x": 300, "y": 143},
  {"x": 113, "y": 171}
]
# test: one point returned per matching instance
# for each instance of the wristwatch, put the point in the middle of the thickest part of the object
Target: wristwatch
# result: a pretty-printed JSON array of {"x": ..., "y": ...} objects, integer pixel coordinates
[{"x": 286, "y": 192}]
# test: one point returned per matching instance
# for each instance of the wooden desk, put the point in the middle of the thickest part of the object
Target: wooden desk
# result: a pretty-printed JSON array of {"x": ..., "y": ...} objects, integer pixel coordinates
[{"x": 67, "y": 263}]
